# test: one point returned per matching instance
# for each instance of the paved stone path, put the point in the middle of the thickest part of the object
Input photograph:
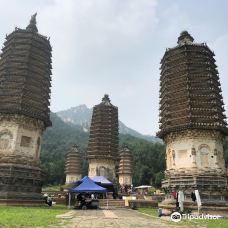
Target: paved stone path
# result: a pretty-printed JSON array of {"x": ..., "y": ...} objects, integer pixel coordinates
[{"x": 116, "y": 218}]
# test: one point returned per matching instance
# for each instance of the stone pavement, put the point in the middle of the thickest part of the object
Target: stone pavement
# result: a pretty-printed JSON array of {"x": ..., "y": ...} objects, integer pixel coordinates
[{"x": 121, "y": 218}]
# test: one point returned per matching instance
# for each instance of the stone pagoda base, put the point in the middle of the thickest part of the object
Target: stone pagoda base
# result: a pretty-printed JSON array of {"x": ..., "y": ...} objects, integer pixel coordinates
[
  {"x": 169, "y": 205},
  {"x": 103, "y": 167},
  {"x": 20, "y": 185},
  {"x": 212, "y": 186}
]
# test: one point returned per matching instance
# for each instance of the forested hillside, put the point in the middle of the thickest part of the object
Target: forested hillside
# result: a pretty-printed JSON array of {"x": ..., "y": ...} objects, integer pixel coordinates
[{"x": 149, "y": 159}]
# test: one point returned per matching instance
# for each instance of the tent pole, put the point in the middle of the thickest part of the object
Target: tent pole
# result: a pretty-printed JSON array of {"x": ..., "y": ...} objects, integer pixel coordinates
[{"x": 69, "y": 200}]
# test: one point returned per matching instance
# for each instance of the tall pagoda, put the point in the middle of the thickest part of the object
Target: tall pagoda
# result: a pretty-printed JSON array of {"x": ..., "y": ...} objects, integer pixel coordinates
[
  {"x": 103, "y": 140},
  {"x": 125, "y": 170},
  {"x": 192, "y": 121},
  {"x": 73, "y": 165},
  {"x": 25, "y": 69}
]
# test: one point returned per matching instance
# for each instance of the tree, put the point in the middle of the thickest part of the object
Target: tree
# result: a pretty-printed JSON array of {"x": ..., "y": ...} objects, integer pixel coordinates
[{"x": 148, "y": 157}]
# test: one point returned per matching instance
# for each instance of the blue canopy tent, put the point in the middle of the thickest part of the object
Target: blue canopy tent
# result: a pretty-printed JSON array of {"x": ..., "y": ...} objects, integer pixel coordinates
[
  {"x": 99, "y": 180},
  {"x": 88, "y": 185},
  {"x": 102, "y": 180},
  {"x": 105, "y": 183},
  {"x": 77, "y": 183}
]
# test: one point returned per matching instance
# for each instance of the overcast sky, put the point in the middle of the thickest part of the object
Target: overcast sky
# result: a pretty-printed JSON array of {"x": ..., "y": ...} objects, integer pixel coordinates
[{"x": 115, "y": 47}]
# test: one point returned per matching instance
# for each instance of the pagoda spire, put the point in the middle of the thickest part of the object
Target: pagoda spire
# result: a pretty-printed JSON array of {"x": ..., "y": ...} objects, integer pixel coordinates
[
  {"x": 106, "y": 99},
  {"x": 102, "y": 151},
  {"x": 184, "y": 38},
  {"x": 32, "y": 24}
]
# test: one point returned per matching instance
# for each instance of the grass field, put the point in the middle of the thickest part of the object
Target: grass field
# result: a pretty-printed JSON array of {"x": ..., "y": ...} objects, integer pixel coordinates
[
  {"x": 51, "y": 188},
  {"x": 149, "y": 211},
  {"x": 209, "y": 223},
  {"x": 11, "y": 216}
]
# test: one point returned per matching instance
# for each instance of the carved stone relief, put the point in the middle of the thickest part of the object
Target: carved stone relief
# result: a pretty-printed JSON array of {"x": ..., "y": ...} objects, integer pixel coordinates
[
  {"x": 193, "y": 153},
  {"x": 173, "y": 156},
  {"x": 5, "y": 140},
  {"x": 204, "y": 155},
  {"x": 188, "y": 134},
  {"x": 22, "y": 121}
]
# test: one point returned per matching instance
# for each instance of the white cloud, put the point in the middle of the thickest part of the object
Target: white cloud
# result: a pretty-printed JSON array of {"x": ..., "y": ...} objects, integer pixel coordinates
[
  {"x": 113, "y": 46},
  {"x": 98, "y": 47}
]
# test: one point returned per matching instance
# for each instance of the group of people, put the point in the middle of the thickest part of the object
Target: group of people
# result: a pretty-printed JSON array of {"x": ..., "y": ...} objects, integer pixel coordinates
[
  {"x": 126, "y": 189},
  {"x": 83, "y": 196},
  {"x": 48, "y": 200},
  {"x": 87, "y": 200},
  {"x": 179, "y": 197}
]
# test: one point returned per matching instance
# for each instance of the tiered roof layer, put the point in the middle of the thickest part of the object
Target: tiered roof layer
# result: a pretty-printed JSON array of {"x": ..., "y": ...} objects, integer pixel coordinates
[
  {"x": 190, "y": 90},
  {"x": 126, "y": 161},
  {"x": 73, "y": 161},
  {"x": 25, "y": 69},
  {"x": 103, "y": 140}
]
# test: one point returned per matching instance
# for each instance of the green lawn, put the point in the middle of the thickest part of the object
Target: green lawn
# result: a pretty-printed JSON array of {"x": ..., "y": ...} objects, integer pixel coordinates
[
  {"x": 11, "y": 216},
  {"x": 218, "y": 223},
  {"x": 209, "y": 223},
  {"x": 51, "y": 188},
  {"x": 149, "y": 211}
]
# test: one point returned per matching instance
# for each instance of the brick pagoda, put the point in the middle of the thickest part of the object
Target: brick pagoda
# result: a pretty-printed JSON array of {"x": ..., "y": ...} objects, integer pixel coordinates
[
  {"x": 103, "y": 140},
  {"x": 73, "y": 165},
  {"x": 192, "y": 122},
  {"x": 25, "y": 70}
]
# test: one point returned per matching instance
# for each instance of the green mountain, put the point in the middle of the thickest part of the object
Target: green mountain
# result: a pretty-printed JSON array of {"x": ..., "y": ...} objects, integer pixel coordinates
[
  {"x": 149, "y": 158},
  {"x": 81, "y": 116}
]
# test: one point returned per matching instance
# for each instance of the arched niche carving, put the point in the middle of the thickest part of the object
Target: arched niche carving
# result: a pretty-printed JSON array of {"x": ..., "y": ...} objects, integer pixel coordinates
[
  {"x": 204, "y": 146},
  {"x": 204, "y": 151},
  {"x": 6, "y": 138},
  {"x": 102, "y": 171}
]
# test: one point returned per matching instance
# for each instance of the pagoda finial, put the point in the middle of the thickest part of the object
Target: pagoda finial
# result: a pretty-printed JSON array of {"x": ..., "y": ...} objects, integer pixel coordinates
[
  {"x": 74, "y": 147},
  {"x": 125, "y": 147},
  {"x": 32, "y": 24},
  {"x": 106, "y": 99},
  {"x": 185, "y": 38}
]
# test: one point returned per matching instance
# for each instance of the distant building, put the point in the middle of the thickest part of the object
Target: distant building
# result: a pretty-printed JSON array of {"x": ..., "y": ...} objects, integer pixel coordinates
[
  {"x": 192, "y": 121},
  {"x": 125, "y": 166},
  {"x": 143, "y": 189},
  {"x": 73, "y": 166},
  {"x": 25, "y": 69},
  {"x": 103, "y": 140}
]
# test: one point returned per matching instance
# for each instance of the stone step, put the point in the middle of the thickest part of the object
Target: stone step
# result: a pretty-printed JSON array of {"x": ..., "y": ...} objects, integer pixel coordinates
[{"x": 112, "y": 203}]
